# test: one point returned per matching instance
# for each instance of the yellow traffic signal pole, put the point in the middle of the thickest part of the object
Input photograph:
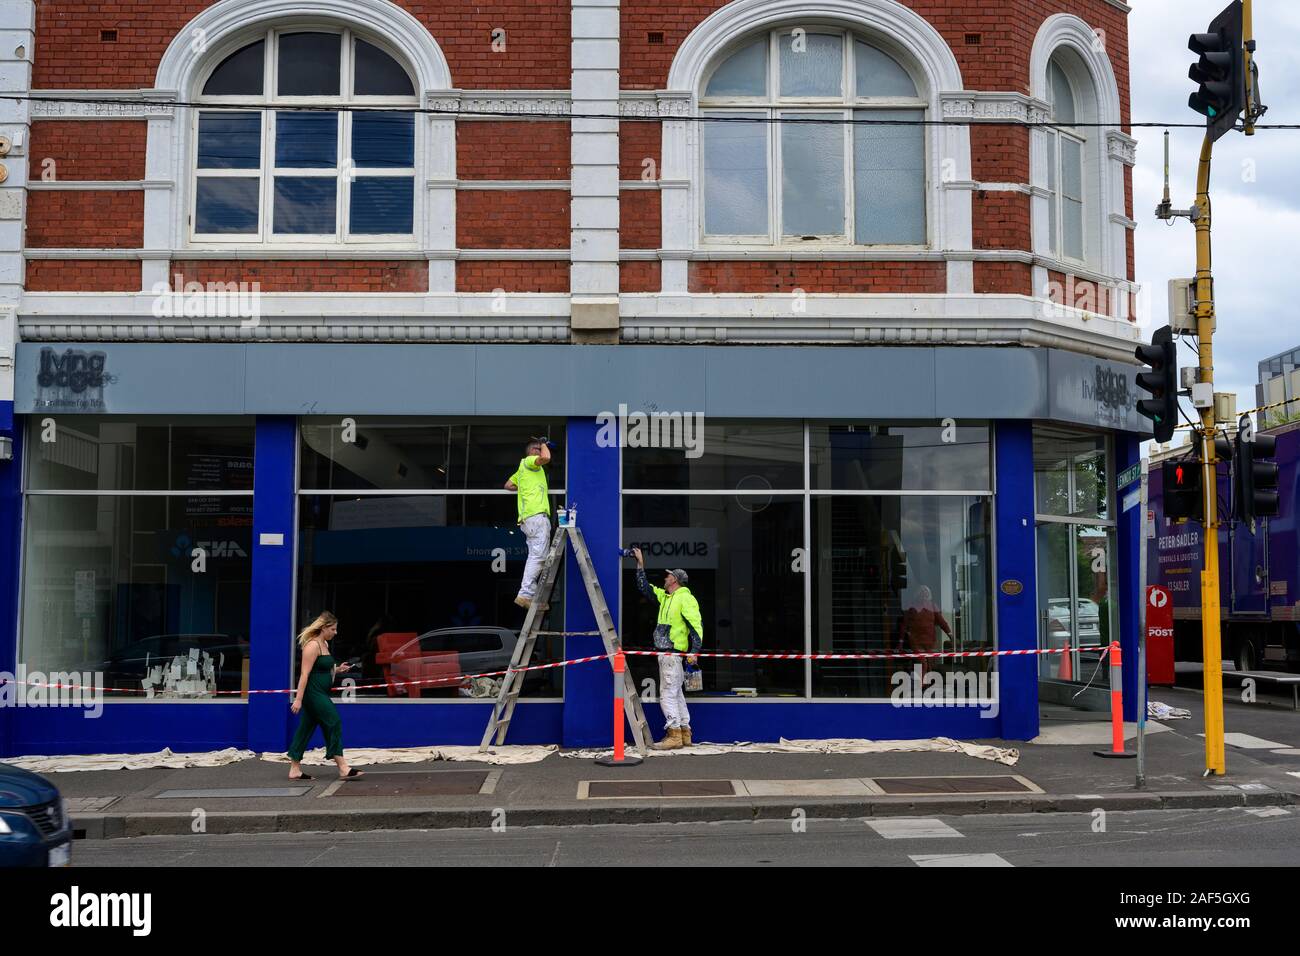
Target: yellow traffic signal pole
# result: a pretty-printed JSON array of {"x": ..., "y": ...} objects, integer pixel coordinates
[{"x": 1210, "y": 621}]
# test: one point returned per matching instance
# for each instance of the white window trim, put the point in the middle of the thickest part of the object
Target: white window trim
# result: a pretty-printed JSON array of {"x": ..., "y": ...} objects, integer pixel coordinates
[
  {"x": 774, "y": 105},
  {"x": 1058, "y": 195},
  {"x": 343, "y": 172},
  {"x": 885, "y": 23},
  {"x": 228, "y": 24},
  {"x": 1097, "y": 99}
]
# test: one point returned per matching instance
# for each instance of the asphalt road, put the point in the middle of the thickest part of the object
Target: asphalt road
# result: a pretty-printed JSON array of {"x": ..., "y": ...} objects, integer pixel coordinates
[{"x": 1221, "y": 838}]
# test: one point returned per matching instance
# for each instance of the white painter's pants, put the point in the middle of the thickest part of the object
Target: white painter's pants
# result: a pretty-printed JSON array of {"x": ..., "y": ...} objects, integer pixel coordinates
[
  {"x": 537, "y": 529},
  {"x": 672, "y": 699}
]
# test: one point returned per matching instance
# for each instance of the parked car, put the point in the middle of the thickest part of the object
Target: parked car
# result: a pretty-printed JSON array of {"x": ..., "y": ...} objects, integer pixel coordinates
[
  {"x": 1087, "y": 617},
  {"x": 34, "y": 825},
  {"x": 442, "y": 653}
]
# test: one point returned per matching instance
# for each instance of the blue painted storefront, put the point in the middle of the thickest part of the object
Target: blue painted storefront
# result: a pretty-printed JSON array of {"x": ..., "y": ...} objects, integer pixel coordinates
[{"x": 264, "y": 723}]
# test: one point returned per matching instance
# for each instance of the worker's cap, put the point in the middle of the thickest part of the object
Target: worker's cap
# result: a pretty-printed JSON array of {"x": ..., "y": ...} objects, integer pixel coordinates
[{"x": 681, "y": 576}]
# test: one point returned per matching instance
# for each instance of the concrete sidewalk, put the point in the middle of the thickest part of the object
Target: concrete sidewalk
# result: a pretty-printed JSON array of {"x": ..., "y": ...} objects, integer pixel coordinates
[{"x": 1065, "y": 777}]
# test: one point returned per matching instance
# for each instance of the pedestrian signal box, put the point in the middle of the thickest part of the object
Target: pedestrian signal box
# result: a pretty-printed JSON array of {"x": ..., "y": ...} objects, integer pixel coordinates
[{"x": 1181, "y": 480}]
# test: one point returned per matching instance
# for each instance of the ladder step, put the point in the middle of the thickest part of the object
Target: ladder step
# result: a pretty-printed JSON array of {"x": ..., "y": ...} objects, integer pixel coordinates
[{"x": 512, "y": 686}]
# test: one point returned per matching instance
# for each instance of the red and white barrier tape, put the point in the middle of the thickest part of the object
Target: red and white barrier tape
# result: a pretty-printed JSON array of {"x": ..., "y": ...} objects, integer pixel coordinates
[
  {"x": 457, "y": 678},
  {"x": 917, "y": 655},
  {"x": 462, "y": 678}
]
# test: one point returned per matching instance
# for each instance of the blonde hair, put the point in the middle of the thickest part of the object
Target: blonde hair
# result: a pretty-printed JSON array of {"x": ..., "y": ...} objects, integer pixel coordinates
[{"x": 312, "y": 630}]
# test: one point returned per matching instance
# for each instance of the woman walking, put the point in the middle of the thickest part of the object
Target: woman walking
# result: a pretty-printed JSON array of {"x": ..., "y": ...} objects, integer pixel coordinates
[{"x": 312, "y": 702}]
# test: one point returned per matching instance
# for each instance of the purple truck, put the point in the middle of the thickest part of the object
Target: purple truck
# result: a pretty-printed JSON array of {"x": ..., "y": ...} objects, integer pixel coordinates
[{"x": 1259, "y": 568}]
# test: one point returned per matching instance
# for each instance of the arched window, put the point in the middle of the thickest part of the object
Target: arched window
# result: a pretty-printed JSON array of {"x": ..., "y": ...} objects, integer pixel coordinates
[
  {"x": 270, "y": 170},
  {"x": 829, "y": 182},
  {"x": 1065, "y": 150}
]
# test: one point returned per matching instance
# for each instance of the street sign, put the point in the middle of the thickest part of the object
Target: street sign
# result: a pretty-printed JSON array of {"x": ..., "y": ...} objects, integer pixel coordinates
[
  {"x": 1132, "y": 499},
  {"x": 1128, "y": 476}
]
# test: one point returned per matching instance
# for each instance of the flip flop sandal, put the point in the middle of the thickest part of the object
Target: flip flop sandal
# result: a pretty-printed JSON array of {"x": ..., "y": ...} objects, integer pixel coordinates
[
  {"x": 301, "y": 776},
  {"x": 352, "y": 772}
]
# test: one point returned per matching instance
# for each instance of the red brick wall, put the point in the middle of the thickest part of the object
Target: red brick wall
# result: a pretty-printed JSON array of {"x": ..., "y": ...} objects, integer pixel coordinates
[
  {"x": 1072, "y": 292},
  {"x": 102, "y": 150},
  {"x": 1004, "y": 278},
  {"x": 512, "y": 219},
  {"x": 999, "y": 154},
  {"x": 83, "y": 275},
  {"x": 85, "y": 219},
  {"x": 307, "y": 275},
  {"x": 526, "y": 149},
  {"x": 639, "y": 276},
  {"x": 1000, "y": 220},
  {"x": 999, "y": 62},
  {"x": 512, "y": 276},
  {"x": 760, "y": 276},
  {"x": 638, "y": 142},
  {"x": 1131, "y": 274},
  {"x": 640, "y": 222},
  {"x": 69, "y": 54}
]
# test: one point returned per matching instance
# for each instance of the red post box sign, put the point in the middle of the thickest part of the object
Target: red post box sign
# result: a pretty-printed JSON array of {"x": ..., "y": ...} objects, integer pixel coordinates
[{"x": 1160, "y": 636}]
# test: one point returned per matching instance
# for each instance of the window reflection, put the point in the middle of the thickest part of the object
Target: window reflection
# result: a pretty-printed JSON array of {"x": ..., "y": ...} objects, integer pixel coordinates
[
  {"x": 413, "y": 583},
  {"x": 415, "y": 453},
  {"x": 871, "y": 456},
  {"x": 737, "y": 550},
  {"x": 897, "y": 574}
]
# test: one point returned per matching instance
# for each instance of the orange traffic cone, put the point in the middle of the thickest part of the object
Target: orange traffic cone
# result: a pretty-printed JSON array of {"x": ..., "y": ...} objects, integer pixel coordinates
[{"x": 1066, "y": 671}]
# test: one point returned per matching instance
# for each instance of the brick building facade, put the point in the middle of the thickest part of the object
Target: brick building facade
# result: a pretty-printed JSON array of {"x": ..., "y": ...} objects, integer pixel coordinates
[{"x": 842, "y": 217}]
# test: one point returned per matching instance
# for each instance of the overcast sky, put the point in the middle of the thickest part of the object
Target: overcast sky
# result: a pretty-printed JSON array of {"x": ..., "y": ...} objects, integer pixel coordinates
[{"x": 1256, "y": 223}]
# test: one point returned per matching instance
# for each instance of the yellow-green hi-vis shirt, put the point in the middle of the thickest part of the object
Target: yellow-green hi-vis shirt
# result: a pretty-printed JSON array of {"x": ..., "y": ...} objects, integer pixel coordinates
[{"x": 533, "y": 496}]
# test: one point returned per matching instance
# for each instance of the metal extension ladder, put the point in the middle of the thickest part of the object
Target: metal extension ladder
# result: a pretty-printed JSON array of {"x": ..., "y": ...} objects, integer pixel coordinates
[{"x": 511, "y": 686}]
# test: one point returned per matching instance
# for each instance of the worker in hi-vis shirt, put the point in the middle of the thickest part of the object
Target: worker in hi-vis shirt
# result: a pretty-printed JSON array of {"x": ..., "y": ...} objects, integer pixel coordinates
[{"x": 534, "y": 507}]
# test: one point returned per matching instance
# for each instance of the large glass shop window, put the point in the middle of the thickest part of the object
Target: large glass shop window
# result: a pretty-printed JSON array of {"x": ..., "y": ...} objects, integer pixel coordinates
[
  {"x": 408, "y": 536},
  {"x": 138, "y": 542},
  {"x": 820, "y": 537}
]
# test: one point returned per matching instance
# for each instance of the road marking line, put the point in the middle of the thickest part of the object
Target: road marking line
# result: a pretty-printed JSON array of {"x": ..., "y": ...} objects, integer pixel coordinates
[
  {"x": 1249, "y": 742},
  {"x": 913, "y": 828},
  {"x": 959, "y": 859}
]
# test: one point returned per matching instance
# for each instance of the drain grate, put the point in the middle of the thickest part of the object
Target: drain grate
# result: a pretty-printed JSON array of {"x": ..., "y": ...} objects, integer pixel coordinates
[
  {"x": 442, "y": 783},
  {"x": 614, "y": 789},
  {"x": 924, "y": 786}
]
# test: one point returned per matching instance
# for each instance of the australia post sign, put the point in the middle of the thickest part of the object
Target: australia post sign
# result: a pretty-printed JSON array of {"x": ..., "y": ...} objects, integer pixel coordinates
[{"x": 1160, "y": 635}]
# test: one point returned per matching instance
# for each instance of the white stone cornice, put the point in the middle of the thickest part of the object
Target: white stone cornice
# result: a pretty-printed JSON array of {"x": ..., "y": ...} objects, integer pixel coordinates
[
  {"x": 673, "y": 104},
  {"x": 1121, "y": 146},
  {"x": 981, "y": 106},
  {"x": 103, "y": 104},
  {"x": 500, "y": 104}
]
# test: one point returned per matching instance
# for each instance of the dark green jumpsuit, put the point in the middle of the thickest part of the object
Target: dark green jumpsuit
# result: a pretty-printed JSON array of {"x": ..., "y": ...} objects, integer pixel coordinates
[{"x": 318, "y": 710}]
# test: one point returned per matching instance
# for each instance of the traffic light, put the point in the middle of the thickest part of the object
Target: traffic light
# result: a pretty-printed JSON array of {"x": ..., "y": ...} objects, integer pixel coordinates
[
  {"x": 1255, "y": 488},
  {"x": 1181, "y": 483},
  {"x": 1161, "y": 380},
  {"x": 1220, "y": 73}
]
